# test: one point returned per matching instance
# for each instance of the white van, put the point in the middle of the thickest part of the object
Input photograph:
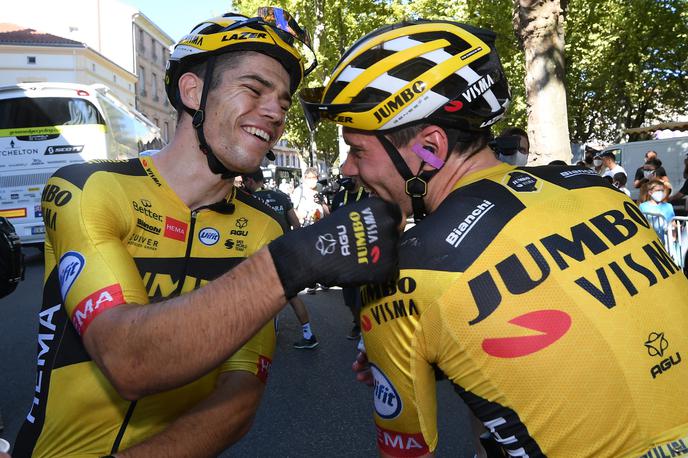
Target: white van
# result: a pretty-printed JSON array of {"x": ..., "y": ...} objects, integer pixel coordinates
[
  {"x": 671, "y": 151},
  {"x": 44, "y": 126}
]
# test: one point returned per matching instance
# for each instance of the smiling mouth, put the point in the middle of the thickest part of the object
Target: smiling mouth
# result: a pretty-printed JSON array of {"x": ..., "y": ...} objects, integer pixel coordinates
[{"x": 258, "y": 133}]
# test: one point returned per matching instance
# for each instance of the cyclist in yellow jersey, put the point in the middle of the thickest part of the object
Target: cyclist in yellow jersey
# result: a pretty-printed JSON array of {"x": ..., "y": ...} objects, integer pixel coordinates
[
  {"x": 147, "y": 346},
  {"x": 541, "y": 292}
]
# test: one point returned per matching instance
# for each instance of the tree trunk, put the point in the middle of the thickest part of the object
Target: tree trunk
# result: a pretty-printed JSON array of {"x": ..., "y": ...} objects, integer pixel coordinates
[{"x": 539, "y": 27}]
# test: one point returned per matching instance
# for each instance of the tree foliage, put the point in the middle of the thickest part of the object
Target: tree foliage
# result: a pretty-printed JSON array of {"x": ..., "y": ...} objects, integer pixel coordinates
[{"x": 626, "y": 60}]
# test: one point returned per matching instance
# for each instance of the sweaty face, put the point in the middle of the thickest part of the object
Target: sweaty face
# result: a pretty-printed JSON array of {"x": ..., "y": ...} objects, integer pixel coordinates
[
  {"x": 368, "y": 161},
  {"x": 245, "y": 113}
]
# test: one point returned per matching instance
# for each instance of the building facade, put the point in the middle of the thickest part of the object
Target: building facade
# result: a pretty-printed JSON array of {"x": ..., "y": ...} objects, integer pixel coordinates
[
  {"x": 31, "y": 56},
  {"x": 120, "y": 33}
]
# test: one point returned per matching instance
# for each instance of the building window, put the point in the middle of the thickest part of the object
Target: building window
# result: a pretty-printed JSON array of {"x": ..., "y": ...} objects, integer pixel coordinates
[
  {"x": 142, "y": 81},
  {"x": 154, "y": 48},
  {"x": 30, "y": 59},
  {"x": 154, "y": 89},
  {"x": 93, "y": 67},
  {"x": 166, "y": 131},
  {"x": 114, "y": 78},
  {"x": 142, "y": 43}
]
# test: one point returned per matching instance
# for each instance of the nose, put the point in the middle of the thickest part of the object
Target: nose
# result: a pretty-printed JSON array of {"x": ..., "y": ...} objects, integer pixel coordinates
[
  {"x": 349, "y": 168},
  {"x": 271, "y": 108}
]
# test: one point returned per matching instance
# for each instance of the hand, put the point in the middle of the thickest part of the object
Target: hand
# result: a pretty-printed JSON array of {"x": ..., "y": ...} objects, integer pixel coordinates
[
  {"x": 354, "y": 246},
  {"x": 362, "y": 369}
]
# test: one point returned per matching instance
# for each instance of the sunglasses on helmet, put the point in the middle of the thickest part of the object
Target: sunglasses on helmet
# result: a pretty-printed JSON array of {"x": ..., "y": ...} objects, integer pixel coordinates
[{"x": 286, "y": 27}]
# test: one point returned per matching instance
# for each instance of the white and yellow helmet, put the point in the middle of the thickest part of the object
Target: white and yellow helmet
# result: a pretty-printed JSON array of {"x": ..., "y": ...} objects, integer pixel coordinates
[{"x": 433, "y": 71}]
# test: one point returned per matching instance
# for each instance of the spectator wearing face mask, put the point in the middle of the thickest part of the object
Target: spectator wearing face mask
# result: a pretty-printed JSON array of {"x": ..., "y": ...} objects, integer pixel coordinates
[
  {"x": 640, "y": 176},
  {"x": 512, "y": 146},
  {"x": 597, "y": 164},
  {"x": 653, "y": 201},
  {"x": 619, "y": 181}
]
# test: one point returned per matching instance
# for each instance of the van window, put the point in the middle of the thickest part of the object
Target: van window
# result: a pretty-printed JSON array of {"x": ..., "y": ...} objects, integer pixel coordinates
[{"x": 47, "y": 111}]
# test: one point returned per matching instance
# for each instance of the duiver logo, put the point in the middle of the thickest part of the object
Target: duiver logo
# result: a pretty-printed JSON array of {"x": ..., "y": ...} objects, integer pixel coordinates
[
  {"x": 656, "y": 344},
  {"x": 325, "y": 244},
  {"x": 553, "y": 324}
]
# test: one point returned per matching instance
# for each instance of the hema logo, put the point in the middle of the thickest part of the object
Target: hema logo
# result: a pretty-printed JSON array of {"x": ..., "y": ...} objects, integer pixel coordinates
[{"x": 71, "y": 265}]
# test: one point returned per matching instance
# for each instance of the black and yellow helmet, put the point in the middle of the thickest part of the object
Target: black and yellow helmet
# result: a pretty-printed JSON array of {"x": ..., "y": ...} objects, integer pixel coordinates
[
  {"x": 273, "y": 32},
  {"x": 433, "y": 71}
]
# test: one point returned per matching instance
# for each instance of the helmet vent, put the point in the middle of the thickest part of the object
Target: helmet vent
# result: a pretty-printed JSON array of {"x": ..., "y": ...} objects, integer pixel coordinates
[
  {"x": 370, "y": 95},
  {"x": 370, "y": 57},
  {"x": 412, "y": 69}
]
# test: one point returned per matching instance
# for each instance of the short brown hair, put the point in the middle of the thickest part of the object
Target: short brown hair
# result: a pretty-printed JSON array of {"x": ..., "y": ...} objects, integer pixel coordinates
[{"x": 468, "y": 143}]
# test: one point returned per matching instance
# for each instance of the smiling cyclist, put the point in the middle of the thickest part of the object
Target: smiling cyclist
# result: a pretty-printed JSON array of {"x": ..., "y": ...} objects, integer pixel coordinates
[{"x": 155, "y": 334}]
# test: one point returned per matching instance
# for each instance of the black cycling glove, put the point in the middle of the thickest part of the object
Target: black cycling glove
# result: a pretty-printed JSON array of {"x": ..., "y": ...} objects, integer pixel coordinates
[{"x": 355, "y": 245}]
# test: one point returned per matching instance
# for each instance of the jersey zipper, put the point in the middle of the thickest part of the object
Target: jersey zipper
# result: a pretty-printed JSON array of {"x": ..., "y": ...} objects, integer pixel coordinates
[{"x": 187, "y": 255}]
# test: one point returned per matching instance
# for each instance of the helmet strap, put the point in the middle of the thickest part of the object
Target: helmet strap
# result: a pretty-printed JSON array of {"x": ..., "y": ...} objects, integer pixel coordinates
[
  {"x": 416, "y": 185},
  {"x": 197, "y": 120}
]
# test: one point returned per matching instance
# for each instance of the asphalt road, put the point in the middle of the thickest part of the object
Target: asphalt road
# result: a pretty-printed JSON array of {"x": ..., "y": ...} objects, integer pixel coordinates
[{"x": 312, "y": 407}]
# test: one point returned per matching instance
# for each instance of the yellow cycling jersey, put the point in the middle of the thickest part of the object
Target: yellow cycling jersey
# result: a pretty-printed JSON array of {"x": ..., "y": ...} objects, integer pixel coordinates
[
  {"x": 117, "y": 233},
  {"x": 546, "y": 298}
]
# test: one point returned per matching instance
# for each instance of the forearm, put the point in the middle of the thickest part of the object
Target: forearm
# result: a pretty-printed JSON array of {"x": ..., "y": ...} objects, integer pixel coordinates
[
  {"x": 156, "y": 347},
  {"x": 211, "y": 426}
]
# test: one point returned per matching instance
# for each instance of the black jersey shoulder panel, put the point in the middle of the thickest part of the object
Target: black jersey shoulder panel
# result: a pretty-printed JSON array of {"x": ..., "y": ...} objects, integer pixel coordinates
[
  {"x": 251, "y": 201},
  {"x": 78, "y": 174},
  {"x": 453, "y": 236}
]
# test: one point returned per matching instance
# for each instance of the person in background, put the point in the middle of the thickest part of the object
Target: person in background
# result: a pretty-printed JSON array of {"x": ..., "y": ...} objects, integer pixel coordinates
[
  {"x": 281, "y": 203},
  {"x": 610, "y": 165},
  {"x": 654, "y": 201},
  {"x": 597, "y": 164},
  {"x": 512, "y": 146},
  {"x": 653, "y": 169},
  {"x": 351, "y": 191},
  {"x": 640, "y": 175},
  {"x": 619, "y": 181},
  {"x": 681, "y": 194}
]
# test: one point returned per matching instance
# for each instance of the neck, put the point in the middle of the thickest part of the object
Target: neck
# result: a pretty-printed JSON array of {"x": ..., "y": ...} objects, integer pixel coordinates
[
  {"x": 185, "y": 168},
  {"x": 455, "y": 168}
]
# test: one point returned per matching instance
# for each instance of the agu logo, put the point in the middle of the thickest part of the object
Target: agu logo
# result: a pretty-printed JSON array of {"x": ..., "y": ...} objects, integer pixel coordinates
[
  {"x": 388, "y": 403},
  {"x": 71, "y": 265},
  {"x": 657, "y": 345},
  {"x": 209, "y": 236},
  {"x": 325, "y": 244}
]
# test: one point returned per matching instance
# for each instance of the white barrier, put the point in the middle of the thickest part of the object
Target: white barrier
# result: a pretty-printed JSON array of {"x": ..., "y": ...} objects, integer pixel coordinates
[{"x": 674, "y": 235}]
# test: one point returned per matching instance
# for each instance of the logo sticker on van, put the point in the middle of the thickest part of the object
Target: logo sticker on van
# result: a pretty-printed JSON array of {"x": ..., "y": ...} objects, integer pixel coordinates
[{"x": 63, "y": 149}]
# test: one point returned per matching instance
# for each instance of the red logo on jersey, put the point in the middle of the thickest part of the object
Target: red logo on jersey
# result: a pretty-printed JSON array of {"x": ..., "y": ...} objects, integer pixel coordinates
[
  {"x": 375, "y": 254},
  {"x": 396, "y": 443},
  {"x": 175, "y": 229},
  {"x": 264, "y": 363},
  {"x": 366, "y": 324},
  {"x": 552, "y": 323},
  {"x": 95, "y": 304},
  {"x": 454, "y": 105}
]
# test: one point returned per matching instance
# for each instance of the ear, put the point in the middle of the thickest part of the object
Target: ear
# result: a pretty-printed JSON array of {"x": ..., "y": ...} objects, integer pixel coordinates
[
  {"x": 190, "y": 90},
  {"x": 434, "y": 138}
]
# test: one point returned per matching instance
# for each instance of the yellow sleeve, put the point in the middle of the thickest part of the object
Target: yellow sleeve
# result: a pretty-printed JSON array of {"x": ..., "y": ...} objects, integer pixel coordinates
[{"x": 85, "y": 229}]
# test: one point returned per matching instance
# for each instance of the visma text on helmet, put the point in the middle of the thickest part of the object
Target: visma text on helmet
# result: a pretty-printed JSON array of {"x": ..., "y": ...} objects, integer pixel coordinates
[{"x": 398, "y": 102}]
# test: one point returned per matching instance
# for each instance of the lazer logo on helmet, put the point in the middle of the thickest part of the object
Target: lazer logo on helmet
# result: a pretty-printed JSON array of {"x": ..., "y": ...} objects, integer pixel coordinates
[
  {"x": 478, "y": 88},
  {"x": 399, "y": 101},
  {"x": 245, "y": 36},
  {"x": 196, "y": 40}
]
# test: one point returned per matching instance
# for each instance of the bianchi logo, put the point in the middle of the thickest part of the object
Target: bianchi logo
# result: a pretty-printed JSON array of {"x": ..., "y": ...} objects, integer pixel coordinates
[
  {"x": 325, "y": 244},
  {"x": 148, "y": 227},
  {"x": 456, "y": 236},
  {"x": 656, "y": 344}
]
